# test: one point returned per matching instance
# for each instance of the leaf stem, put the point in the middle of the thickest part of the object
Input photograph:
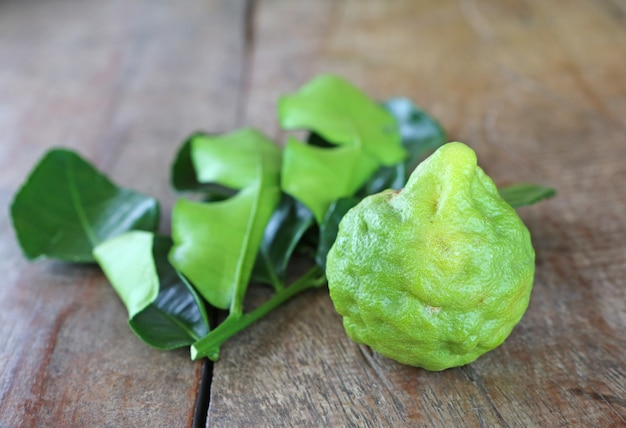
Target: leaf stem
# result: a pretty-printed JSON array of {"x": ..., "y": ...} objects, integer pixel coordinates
[
  {"x": 209, "y": 345},
  {"x": 276, "y": 282}
]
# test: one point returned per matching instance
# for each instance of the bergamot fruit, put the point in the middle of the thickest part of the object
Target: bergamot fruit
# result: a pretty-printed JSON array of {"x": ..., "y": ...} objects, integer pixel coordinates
[{"x": 436, "y": 274}]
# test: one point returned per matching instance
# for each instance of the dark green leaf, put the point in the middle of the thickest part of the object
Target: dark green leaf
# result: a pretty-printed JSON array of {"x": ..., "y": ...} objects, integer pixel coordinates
[
  {"x": 330, "y": 226},
  {"x": 164, "y": 310},
  {"x": 519, "y": 195},
  {"x": 177, "y": 317},
  {"x": 215, "y": 244},
  {"x": 66, "y": 207},
  {"x": 386, "y": 177},
  {"x": 183, "y": 173},
  {"x": 283, "y": 232},
  {"x": 420, "y": 133},
  {"x": 317, "y": 140}
]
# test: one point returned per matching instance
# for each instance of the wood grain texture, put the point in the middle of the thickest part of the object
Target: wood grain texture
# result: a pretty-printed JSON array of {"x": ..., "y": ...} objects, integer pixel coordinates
[
  {"x": 122, "y": 82},
  {"x": 538, "y": 89}
]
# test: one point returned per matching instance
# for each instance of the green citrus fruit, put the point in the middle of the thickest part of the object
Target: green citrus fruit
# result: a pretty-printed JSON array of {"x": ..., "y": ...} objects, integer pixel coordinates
[{"x": 436, "y": 274}]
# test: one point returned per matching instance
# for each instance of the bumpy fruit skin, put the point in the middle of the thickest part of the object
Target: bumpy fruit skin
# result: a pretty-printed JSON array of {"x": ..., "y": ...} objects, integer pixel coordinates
[{"x": 437, "y": 274}]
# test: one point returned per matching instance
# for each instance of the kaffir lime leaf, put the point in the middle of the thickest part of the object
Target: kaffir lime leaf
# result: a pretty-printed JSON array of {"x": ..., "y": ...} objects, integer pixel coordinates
[{"x": 437, "y": 274}]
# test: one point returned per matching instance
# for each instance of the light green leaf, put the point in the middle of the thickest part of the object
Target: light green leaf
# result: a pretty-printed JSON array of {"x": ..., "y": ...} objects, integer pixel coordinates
[
  {"x": 67, "y": 207},
  {"x": 233, "y": 160},
  {"x": 342, "y": 114},
  {"x": 129, "y": 266},
  {"x": 339, "y": 114},
  {"x": 184, "y": 178},
  {"x": 215, "y": 244},
  {"x": 519, "y": 195},
  {"x": 163, "y": 309},
  {"x": 318, "y": 176}
]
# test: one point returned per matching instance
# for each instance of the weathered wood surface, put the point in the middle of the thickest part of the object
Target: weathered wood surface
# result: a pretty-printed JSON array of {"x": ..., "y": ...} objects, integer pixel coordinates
[
  {"x": 537, "y": 88},
  {"x": 123, "y": 82}
]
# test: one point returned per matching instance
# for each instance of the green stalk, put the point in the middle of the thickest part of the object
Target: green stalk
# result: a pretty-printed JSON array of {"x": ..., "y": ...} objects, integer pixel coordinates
[{"x": 209, "y": 345}]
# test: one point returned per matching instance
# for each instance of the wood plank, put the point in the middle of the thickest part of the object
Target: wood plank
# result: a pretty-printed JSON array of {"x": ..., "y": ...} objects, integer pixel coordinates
[
  {"x": 123, "y": 82},
  {"x": 537, "y": 89}
]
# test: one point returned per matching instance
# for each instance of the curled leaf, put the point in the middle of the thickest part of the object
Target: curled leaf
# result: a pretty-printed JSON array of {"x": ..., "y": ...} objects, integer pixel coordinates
[
  {"x": 318, "y": 176},
  {"x": 184, "y": 177},
  {"x": 163, "y": 309},
  {"x": 338, "y": 114},
  {"x": 342, "y": 114}
]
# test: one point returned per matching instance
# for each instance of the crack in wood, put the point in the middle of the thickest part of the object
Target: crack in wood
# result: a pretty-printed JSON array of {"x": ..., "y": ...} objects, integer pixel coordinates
[{"x": 203, "y": 397}]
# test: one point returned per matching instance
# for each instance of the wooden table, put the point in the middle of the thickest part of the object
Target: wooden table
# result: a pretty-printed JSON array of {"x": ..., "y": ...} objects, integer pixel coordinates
[{"x": 537, "y": 87}]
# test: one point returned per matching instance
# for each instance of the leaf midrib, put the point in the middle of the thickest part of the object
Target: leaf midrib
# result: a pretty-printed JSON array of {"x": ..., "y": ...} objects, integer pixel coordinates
[
  {"x": 236, "y": 305},
  {"x": 78, "y": 206},
  {"x": 181, "y": 325}
]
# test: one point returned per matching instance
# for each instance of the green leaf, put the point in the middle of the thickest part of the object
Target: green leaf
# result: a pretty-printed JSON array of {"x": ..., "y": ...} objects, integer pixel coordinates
[
  {"x": 128, "y": 263},
  {"x": 519, "y": 195},
  {"x": 164, "y": 310},
  {"x": 318, "y": 176},
  {"x": 342, "y": 114},
  {"x": 283, "y": 232},
  {"x": 66, "y": 207},
  {"x": 420, "y": 134},
  {"x": 314, "y": 139},
  {"x": 216, "y": 243},
  {"x": 336, "y": 113},
  {"x": 184, "y": 175},
  {"x": 330, "y": 226},
  {"x": 237, "y": 160},
  {"x": 386, "y": 177}
]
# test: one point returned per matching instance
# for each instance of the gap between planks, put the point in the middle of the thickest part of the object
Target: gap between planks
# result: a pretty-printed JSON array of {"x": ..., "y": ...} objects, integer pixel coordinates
[{"x": 203, "y": 397}]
